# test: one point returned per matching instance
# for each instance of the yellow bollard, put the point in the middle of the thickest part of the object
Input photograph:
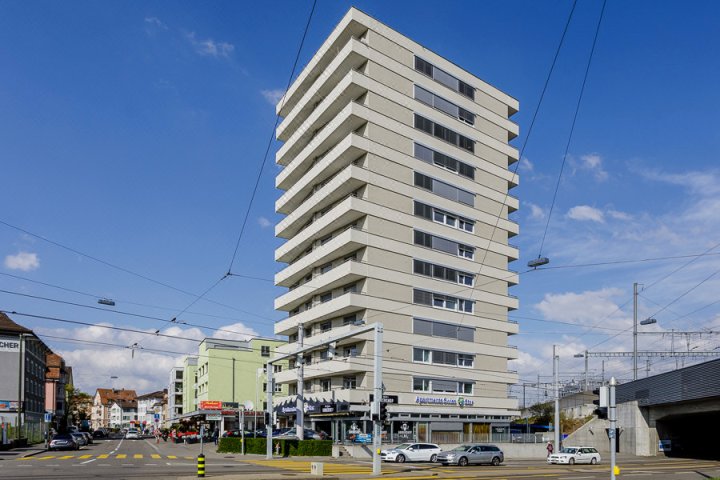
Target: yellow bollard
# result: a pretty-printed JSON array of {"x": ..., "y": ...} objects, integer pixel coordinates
[
  {"x": 616, "y": 470},
  {"x": 201, "y": 466}
]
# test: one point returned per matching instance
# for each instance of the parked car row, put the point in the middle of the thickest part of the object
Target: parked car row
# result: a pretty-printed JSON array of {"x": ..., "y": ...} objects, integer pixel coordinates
[
  {"x": 478, "y": 454},
  {"x": 70, "y": 441}
]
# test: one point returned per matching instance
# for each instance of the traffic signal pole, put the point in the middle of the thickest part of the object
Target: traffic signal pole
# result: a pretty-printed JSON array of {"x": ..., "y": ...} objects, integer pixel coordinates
[
  {"x": 375, "y": 409},
  {"x": 612, "y": 414}
]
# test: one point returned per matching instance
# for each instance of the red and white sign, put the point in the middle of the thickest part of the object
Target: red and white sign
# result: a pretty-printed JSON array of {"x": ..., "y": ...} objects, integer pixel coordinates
[{"x": 210, "y": 405}]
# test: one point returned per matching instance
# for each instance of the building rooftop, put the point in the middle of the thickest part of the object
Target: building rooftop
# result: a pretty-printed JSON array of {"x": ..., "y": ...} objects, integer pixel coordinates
[
  {"x": 108, "y": 395},
  {"x": 8, "y": 326}
]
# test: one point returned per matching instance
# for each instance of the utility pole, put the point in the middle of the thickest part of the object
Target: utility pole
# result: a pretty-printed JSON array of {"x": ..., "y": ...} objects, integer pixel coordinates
[
  {"x": 612, "y": 416},
  {"x": 233, "y": 379},
  {"x": 300, "y": 399},
  {"x": 556, "y": 388},
  {"x": 635, "y": 295},
  {"x": 269, "y": 410},
  {"x": 377, "y": 398}
]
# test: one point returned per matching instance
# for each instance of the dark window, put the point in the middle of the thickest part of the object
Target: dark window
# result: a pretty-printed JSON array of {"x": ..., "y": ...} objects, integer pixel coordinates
[
  {"x": 466, "y": 143},
  {"x": 424, "y": 124},
  {"x": 347, "y": 320},
  {"x": 326, "y": 297},
  {"x": 423, "y": 181},
  {"x": 466, "y": 170},
  {"x": 466, "y": 89},
  {"x": 422, "y": 268},
  {"x": 422, "y": 297},
  {"x": 424, "y": 239},
  {"x": 265, "y": 350},
  {"x": 466, "y": 116},
  {"x": 423, "y": 66},
  {"x": 424, "y": 211}
]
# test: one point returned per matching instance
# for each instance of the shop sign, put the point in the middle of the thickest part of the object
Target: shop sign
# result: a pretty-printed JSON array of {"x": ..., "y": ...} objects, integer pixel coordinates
[
  {"x": 230, "y": 405},
  {"x": 363, "y": 438},
  {"x": 210, "y": 405},
  {"x": 327, "y": 408},
  {"x": 8, "y": 405},
  {"x": 453, "y": 402},
  {"x": 9, "y": 344},
  {"x": 391, "y": 399},
  {"x": 213, "y": 417},
  {"x": 288, "y": 409},
  {"x": 405, "y": 431}
]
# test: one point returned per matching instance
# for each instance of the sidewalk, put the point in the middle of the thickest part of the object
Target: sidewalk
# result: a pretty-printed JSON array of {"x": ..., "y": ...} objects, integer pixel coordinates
[{"x": 22, "y": 452}]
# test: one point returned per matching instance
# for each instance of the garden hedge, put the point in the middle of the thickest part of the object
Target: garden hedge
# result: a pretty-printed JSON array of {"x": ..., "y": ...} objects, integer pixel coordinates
[{"x": 288, "y": 448}]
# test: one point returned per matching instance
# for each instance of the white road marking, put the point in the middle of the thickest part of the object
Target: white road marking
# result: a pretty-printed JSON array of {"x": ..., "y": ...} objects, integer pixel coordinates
[{"x": 89, "y": 461}]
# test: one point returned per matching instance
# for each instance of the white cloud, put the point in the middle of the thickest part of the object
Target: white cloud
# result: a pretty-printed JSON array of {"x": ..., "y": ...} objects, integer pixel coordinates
[
  {"x": 264, "y": 222},
  {"x": 593, "y": 163},
  {"x": 617, "y": 215},
  {"x": 586, "y": 212},
  {"x": 273, "y": 96},
  {"x": 536, "y": 212},
  {"x": 585, "y": 309},
  {"x": 209, "y": 47},
  {"x": 700, "y": 183},
  {"x": 148, "y": 369},
  {"x": 155, "y": 23},
  {"x": 24, "y": 261},
  {"x": 526, "y": 165}
]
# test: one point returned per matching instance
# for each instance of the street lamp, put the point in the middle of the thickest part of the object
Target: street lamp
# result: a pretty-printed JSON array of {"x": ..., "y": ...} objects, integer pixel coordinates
[{"x": 585, "y": 356}]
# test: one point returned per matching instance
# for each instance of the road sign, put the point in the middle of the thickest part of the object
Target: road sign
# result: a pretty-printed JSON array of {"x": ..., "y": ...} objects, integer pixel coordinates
[
  {"x": 48, "y": 417},
  {"x": 611, "y": 433}
]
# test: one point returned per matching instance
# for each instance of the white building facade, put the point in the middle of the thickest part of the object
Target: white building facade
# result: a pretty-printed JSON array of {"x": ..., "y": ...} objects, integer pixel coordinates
[{"x": 396, "y": 180}]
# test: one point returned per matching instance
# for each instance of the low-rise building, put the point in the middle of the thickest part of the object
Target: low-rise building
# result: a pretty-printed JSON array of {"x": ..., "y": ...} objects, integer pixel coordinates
[
  {"x": 175, "y": 396},
  {"x": 22, "y": 376},
  {"x": 123, "y": 413},
  {"x": 150, "y": 409},
  {"x": 103, "y": 400},
  {"x": 56, "y": 376}
]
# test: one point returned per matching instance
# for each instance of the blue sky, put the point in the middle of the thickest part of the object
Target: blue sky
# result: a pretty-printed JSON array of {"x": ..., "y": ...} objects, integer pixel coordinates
[{"x": 133, "y": 132}]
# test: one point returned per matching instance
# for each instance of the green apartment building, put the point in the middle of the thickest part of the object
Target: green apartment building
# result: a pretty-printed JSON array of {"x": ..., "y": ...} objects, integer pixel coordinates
[
  {"x": 189, "y": 383},
  {"x": 229, "y": 372}
]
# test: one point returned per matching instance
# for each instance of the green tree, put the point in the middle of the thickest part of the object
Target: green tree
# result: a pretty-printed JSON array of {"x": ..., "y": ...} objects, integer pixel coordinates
[
  {"x": 542, "y": 413},
  {"x": 79, "y": 405}
]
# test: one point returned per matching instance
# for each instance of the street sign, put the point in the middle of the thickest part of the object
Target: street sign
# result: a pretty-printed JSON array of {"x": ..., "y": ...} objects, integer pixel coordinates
[
  {"x": 48, "y": 417},
  {"x": 610, "y": 432}
]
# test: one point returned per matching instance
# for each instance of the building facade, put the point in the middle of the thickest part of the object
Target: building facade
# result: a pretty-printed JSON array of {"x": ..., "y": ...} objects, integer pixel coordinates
[
  {"x": 150, "y": 410},
  {"x": 123, "y": 414},
  {"x": 190, "y": 384},
  {"x": 175, "y": 395},
  {"x": 22, "y": 376},
  {"x": 56, "y": 379},
  {"x": 103, "y": 400},
  {"x": 396, "y": 181},
  {"x": 231, "y": 372}
]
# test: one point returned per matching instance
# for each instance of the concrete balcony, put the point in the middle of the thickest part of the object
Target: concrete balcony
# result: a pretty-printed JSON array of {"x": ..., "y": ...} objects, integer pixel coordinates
[
  {"x": 341, "y": 245},
  {"x": 348, "y": 272},
  {"x": 344, "y": 213},
  {"x": 341, "y": 95},
  {"x": 328, "y": 368},
  {"x": 343, "y": 184},
  {"x": 340, "y": 156},
  {"x": 347, "y": 59},
  {"x": 342, "y": 305},
  {"x": 348, "y": 120},
  {"x": 336, "y": 395}
]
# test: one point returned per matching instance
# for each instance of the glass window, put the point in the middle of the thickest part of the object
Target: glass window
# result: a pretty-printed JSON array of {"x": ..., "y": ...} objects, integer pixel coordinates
[
  {"x": 423, "y": 66},
  {"x": 466, "y": 251},
  {"x": 465, "y": 388},
  {"x": 465, "y": 360},
  {"x": 424, "y": 211},
  {"x": 350, "y": 351},
  {"x": 466, "y": 116},
  {"x": 421, "y": 355},
  {"x": 265, "y": 350},
  {"x": 465, "y": 279},
  {"x": 423, "y": 95},
  {"x": 466, "y": 89},
  {"x": 444, "y": 386},
  {"x": 325, "y": 326},
  {"x": 326, "y": 268},
  {"x": 325, "y": 384},
  {"x": 421, "y": 385},
  {"x": 422, "y": 297},
  {"x": 422, "y": 327},
  {"x": 423, "y": 153},
  {"x": 423, "y": 181},
  {"x": 466, "y": 143},
  {"x": 424, "y": 239},
  {"x": 349, "y": 383},
  {"x": 445, "y": 78},
  {"x": 348, "y": 319},
  {"x": 326, "y": 297}
]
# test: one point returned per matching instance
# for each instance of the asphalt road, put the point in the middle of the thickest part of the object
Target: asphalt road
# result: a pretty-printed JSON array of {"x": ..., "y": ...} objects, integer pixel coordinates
[{"x": 130, "y": 459}]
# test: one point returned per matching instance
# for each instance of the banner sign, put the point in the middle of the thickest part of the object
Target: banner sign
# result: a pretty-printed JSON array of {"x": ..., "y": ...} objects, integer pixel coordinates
[
  {"x": 213, "y": 416},
  {"x": 8, "y": 405},
  {"x": 9, "y": 344},
  {"x": 391, "y": 399},
  {"x": 453, "y": 402},
  {"x": 210, "y": 405}
]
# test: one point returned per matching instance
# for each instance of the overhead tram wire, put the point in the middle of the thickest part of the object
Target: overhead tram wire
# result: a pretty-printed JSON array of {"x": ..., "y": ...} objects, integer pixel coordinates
[
  {"x": 120, "y": 312},
  {"x": 259, "y": 175},
  {"x": 572, "y": 127},
  {"x": 271, "y": 139}
]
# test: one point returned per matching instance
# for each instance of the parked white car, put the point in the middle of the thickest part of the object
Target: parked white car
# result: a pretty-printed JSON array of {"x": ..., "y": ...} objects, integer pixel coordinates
[
  {"x": 411, "y": 452},
  {"x": 133, "y": 434},
  {"x": 573, "y": 455}
]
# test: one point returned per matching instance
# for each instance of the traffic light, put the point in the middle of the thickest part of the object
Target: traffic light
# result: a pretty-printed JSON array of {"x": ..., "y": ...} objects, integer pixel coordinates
[
  {"x": 602, "y": 402},
  {"x": 384, "y": 414}
]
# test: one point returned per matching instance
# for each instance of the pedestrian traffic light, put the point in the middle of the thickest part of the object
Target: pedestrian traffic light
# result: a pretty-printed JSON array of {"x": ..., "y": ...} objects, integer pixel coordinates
[{"x": 602, "y": 402}]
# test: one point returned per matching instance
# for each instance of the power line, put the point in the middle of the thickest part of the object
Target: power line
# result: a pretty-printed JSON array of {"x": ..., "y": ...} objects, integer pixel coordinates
[
  {"x": 272, "y": 137},
  {"x": 572, "y": 126}
]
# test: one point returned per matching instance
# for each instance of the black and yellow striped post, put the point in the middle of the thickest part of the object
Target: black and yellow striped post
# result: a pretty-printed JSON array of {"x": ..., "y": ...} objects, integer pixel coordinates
[{"x": 201, "y": 466}]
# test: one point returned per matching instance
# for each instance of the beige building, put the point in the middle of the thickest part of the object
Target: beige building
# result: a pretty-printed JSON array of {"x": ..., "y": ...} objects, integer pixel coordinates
[{"x": 395, "y": 178}]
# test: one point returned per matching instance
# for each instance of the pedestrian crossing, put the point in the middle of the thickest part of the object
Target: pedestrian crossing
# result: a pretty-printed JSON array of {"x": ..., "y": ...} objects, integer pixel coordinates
[
  {"x": 103, "y": 456},
  {"x": 328, "y": 467}
]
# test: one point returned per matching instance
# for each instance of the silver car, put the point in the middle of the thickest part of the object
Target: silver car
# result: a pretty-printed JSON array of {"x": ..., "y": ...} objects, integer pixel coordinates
[
  {"x": 411, "y": 452},
  {"x": 472, "y": 454}
]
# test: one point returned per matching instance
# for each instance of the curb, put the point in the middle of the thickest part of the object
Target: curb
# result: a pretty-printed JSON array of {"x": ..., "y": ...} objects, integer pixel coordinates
[{"x": 37, "y": 452}]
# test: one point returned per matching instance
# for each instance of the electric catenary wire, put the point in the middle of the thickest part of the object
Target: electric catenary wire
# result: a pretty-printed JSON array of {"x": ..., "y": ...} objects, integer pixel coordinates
[{"x": 572, "y": 127}]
